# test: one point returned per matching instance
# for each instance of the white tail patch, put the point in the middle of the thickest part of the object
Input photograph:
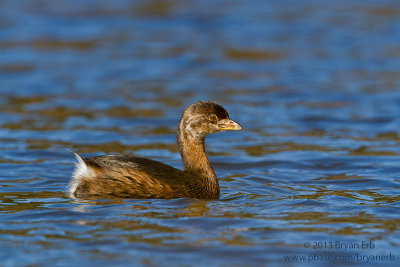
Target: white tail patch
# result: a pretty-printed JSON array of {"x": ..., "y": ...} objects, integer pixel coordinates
[{"x": 81, "y": 170}]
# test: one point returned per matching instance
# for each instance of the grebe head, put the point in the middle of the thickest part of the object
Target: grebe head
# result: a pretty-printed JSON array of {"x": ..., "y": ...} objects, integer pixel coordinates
[{"x": 203, "y": 118}]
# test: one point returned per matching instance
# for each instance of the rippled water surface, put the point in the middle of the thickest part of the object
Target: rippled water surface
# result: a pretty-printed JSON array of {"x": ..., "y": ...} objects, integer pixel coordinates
[{"x": 312, "y": 180}]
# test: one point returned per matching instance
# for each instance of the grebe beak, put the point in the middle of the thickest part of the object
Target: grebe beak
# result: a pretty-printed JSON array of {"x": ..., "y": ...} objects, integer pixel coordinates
[{"x": 228, "y": 124}]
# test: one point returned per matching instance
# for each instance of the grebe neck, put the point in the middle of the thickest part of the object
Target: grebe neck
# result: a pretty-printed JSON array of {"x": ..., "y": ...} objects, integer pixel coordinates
[{"x": 195, "y": 161}]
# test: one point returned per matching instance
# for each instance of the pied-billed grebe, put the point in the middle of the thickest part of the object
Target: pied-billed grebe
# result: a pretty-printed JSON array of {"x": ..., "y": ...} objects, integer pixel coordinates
[{"x": 138, "y": 177}]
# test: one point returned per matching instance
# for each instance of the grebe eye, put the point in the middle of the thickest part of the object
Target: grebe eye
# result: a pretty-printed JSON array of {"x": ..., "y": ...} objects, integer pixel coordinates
[{"x": 213, "y": 118}]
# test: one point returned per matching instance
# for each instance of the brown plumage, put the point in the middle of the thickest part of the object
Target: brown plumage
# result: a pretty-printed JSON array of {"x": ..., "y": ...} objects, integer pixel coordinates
[{"x": 138, "y": 177}]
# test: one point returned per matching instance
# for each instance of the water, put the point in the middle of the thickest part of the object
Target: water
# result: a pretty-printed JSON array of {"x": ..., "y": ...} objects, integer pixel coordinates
[{"x": 314, "y": 173}]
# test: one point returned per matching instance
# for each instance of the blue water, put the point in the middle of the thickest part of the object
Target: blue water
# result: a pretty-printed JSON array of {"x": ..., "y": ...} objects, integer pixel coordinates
[{"x": 311, "y": 180}]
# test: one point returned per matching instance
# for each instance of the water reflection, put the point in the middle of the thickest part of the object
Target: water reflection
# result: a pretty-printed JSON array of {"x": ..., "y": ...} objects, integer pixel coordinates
[{"x": 314, "y": 84}]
